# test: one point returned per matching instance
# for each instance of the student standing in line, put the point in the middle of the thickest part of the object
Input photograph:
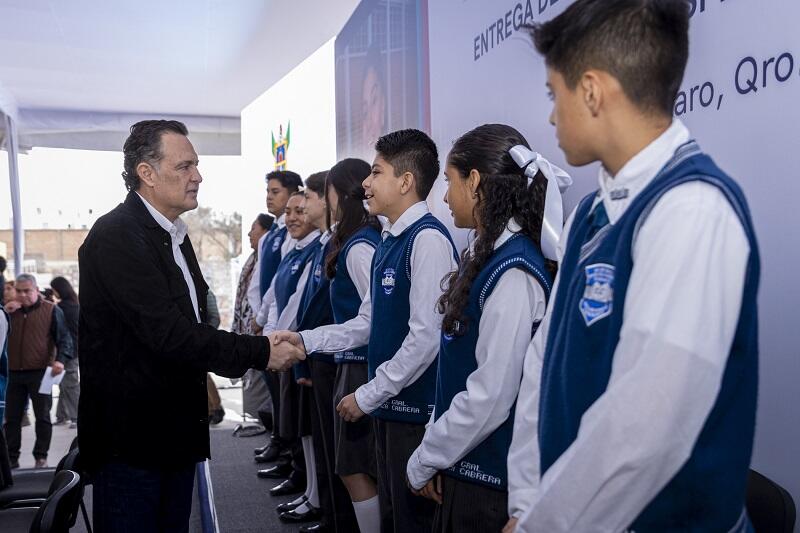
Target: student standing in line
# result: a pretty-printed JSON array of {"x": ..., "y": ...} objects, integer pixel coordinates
[
  {"x": 282, "y": 314},
  {"x": 281, "y": 184},
  {"x": 637, "y": 406},
  {"x": 399, "y": 321},
  {"x": 492, "y": 307}
]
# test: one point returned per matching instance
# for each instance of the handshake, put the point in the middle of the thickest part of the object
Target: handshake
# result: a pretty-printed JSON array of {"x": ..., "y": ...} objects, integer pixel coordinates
[{"x": 286, "y": 349}]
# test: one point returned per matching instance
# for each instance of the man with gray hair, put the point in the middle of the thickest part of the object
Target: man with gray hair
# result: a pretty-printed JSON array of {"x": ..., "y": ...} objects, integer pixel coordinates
[{"x": 38, "y": 339}]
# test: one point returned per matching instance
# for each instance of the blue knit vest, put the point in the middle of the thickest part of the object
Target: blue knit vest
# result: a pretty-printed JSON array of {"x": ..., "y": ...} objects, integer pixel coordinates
[
  {"x": 315, "y": 304},
  {"x": 289, "y": 271},
  {"x": 269, "y": 257},
  {"x": 708, "y": 493},
  {"x": 486, "y": 463},
  {"x": 345, "y": 300},
  {"x": 391, "y": 311}
]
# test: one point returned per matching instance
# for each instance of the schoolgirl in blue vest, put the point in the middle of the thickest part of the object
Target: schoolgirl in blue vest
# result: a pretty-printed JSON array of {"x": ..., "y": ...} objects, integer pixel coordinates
[
  {"x": 271, "y": 248},
  {"x": 637, "y": 407},
  {"x": 492, "y": 306},
  {"x": 399, "y": 321},
  {"x": 287, "y": 286}
]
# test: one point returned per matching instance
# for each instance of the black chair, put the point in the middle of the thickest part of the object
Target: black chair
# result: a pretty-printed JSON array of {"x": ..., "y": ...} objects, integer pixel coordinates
[
  {"x": 30, "y": 484},
  {"x": 56, "y": 515},
  {"x": 770, "y": 507}
]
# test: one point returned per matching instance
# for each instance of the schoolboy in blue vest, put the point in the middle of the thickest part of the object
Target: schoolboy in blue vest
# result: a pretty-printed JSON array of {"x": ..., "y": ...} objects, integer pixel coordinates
[
  {"x": 271, "y": 248},
  {"x": 498, "y": 187},
  {"x": 637, "y": 406},
  {"x": 400, "y": 322}
]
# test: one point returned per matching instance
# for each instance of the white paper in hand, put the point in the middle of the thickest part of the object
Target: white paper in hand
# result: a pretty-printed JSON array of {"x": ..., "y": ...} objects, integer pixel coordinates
[{"x": 48, "y": 380}]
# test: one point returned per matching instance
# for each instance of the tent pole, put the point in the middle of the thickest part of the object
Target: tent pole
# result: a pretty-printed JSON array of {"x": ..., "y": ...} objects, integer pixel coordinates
[{"x": 16, "y": 208}]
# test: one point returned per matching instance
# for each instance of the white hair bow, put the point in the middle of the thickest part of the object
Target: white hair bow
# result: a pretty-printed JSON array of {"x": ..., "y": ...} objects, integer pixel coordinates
[{"x": 558, "y": 181}]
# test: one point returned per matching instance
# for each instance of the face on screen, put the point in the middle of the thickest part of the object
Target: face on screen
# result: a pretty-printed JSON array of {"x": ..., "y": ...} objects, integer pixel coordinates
[{"x": 373, "y": 105}]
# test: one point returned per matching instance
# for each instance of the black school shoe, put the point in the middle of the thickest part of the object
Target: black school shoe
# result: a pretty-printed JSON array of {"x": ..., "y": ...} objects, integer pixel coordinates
[
  {"x": 269, "y": 455},
  {"x": 319, "y": 527},
  {"x": 295, "y": 517},
  {"x": 289, "y": 486},
  {"x": 279, "y": 471},
  {"x": 290, "y": 506}
]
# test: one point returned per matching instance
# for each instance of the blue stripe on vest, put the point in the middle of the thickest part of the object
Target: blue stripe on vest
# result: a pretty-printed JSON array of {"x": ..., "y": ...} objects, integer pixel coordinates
[
  {"x": 269, "y": 257},
  {"x": 486, "y": 463},
  {"x": 708, "y": 493},
  {"x": 345, "y": 299},
  {"x": 391, "y": 311}
]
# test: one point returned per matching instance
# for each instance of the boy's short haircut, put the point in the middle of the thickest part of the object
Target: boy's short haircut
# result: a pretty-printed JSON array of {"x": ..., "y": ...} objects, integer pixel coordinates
[
  {"x": 411, "y": 151},
  {"x": 642, "y": 43},
  {"x": 316, "y": 182},
  {"x": 289, "y": 180}
]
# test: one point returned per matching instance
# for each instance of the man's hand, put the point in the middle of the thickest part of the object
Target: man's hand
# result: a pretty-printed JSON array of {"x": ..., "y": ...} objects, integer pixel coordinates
[
  {"x": 12, "y": 306},
  {"x": 510, "y": 526},
  {"x": 433, "y": 489},
  {"x": 289, "y": 336},
  {"x": 58, "y": 367},
  {"x": 283, "y": 354},
  {"x": 348, "y": 408}
]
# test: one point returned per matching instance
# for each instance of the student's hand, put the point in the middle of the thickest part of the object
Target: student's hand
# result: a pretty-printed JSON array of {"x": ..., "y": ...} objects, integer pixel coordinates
[
  {"x": 58, "y": 367},
  {"x": 290, "y": 336},
  {"x": 283, "y": 354},
  {"x": 305, "y": 382},
  {"x": 348, "y": 408},
  {"x": 12, "y": 306},
  {"x": 255, "y": 325},
  {"x": 510, "y": 526},
  {"x": 433, "y": 489}
]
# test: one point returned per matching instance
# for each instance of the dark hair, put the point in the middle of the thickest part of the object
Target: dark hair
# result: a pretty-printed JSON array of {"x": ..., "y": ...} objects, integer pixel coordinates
[
  {"x": 64, "y": 289},
  {"x": 143, "y": 145},
  {"x": 3, "y": 264},
  {"x": 503, "y": 193},
  {"x": 265, "y": 221},
  {"x": 346, "y": 177},
  {"x": 316, "y": 182},
  {"x": 288, "y": 179},
  {"x": 411, "y": 151},
  {"x": 642, "y": 43}
]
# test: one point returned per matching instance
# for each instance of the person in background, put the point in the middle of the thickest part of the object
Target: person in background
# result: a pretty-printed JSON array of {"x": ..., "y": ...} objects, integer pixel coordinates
[
  {"x": 4, "y": 323},
  {"x": 70, "y": 387},
  {"x": 216, "y": 413},
  {"x": 9, "y": 296},
  {"x": 39, "y": 340},
  {"x": 3, "y": 266},
  {"x": 255, "y": 394}
]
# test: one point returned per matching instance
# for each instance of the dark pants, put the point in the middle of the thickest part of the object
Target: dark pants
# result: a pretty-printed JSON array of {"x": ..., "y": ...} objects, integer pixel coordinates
[
  {"x": 470, "y": 507},
  {"x": 401, "y": 511},
  {"x": 21, "y": 385},
  {"x": 128, "y": 499},
  {"x": 69, "y": 391},
  {"x": 275, "y": 396},
  {"x": 334, "y": 498}
]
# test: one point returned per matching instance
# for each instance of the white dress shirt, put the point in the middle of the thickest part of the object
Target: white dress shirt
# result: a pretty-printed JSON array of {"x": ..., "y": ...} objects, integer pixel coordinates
[
  {"x": 177, "y": 232},
  {"x": 254, "y": 289},
  {"x": 681, "y": 312},
  {"x": 431, "y": 260},
  {"x": 504, "y": 332},
  {"x": 287, "y": 320}
]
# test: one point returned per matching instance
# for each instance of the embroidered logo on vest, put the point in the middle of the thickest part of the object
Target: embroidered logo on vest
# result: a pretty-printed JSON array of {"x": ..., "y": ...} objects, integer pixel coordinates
[
  {"x": 598, "y": 296},
  {"x": 387, "y": 282},
  {"x": 275, "y": 245},
  {"x": 318, "y": 273},
  {"x": 295, "y": 267}
]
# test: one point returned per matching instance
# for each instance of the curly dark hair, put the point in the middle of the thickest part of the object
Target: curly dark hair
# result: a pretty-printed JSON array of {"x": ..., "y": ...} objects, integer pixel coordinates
[
  {"x": 143, "y": 145},
  {"x": 346, "y": 177},
  {"x": 503, "y": 193}
]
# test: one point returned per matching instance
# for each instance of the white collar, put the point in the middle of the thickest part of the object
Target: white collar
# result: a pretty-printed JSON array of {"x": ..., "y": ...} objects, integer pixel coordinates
[
  {"x": 177, "y": 230},
  {"x": 305, "y": 241},
  {"x": 325, "y": 237},
  {"x": 616, "y": 192},
  {"x": 511, "y": 229},
  {"x": 281, "y": 221},
  {"x": 409, "y": 216}
]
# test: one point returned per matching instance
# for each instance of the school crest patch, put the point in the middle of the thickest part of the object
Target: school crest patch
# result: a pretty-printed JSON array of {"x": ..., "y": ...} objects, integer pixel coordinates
[
  {"x": 598, "y": 295},
  {"x": 295, "y": 267},
  {"x": 318, "y": 273},
  {"x": 387, "y": 281},
  {"x": 275, "y": 245}
]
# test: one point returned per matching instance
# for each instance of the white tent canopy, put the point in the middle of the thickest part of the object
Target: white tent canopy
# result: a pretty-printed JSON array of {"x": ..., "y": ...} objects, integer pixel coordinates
[{"x": 78, "y": 74}]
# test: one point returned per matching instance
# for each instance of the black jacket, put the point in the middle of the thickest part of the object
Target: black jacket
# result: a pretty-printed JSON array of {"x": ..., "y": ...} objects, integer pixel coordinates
[{"x": 143, "y": 356}]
